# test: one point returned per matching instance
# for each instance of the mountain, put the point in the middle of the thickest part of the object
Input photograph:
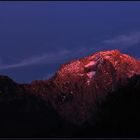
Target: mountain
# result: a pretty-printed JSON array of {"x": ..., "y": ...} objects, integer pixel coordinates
[
  {"x": 83, "y": 83},
  {"x": 77, "y": 101}
]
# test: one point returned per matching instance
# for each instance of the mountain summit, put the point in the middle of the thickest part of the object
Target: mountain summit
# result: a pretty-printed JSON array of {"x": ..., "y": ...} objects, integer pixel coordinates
[
  {"x": 77, "y": 89},
  {"x": 83, "y": 83}
]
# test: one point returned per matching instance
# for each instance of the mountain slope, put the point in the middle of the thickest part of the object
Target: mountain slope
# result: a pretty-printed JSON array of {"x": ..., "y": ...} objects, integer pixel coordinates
[
  {"x": 82, "y": 84},
  {"x": 78, "y": 98}
]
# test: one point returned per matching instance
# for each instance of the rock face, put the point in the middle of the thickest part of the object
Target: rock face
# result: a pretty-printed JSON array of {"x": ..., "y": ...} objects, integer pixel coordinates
[
  {"x": 84, "y": 83},
  {"x": 73, "y": 94}
]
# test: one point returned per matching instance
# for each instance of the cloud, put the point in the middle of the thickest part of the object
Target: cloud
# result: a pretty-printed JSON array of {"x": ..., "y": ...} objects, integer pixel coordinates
[
  {"x": 120, "y": 42},
  {"x": 124, "y": 40},
  {"x": 46, "y": 58},
  {"x": 37, "y": 60}
]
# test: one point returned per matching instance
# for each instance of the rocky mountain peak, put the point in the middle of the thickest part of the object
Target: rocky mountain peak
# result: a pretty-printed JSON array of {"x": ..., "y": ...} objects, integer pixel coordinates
[
  {"x": 79, "y": 86},
  {"x": 82, "y": 83}
]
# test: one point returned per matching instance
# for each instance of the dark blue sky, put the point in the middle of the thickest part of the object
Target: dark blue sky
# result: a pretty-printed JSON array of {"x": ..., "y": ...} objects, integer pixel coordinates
[{"x": 37, "y": 37}]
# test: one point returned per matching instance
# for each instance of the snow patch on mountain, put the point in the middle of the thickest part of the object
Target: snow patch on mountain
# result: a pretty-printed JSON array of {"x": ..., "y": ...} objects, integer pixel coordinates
[
  {"x": 91, "y": 74},
  {"x": 107, "y": 57},
  {"x": 88, "y": 82},
  {"x": 91, "y": 63}
]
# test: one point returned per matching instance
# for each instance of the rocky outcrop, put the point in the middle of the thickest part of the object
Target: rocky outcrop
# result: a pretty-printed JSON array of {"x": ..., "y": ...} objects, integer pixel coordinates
[{"x": 70, "y": 99}]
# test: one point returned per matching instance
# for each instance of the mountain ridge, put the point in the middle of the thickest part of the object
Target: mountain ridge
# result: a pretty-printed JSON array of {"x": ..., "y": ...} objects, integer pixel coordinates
[
  {"x": 77, "y": 89},
  {"x": 96, "y": 75}
]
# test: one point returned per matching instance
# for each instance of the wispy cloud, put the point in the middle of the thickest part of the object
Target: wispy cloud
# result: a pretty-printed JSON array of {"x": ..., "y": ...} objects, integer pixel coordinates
[
  {"x": 46, "y": 58},
  {"x": 120, "y": 42},
  {"x": 36, "y": 60},
  {"x": 125, "y": 40}
]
